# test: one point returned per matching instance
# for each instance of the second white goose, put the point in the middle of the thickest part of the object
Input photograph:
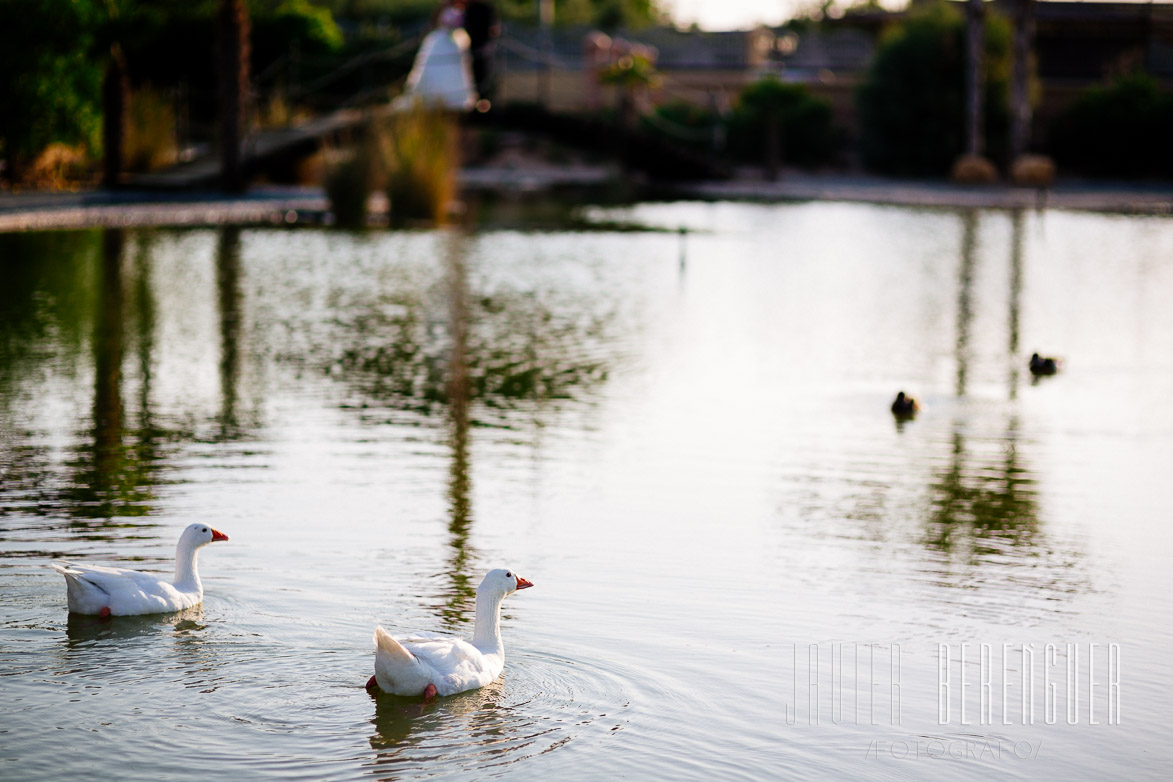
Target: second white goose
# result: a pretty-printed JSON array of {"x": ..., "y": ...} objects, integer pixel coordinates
[{"x": 436, "y": 665}]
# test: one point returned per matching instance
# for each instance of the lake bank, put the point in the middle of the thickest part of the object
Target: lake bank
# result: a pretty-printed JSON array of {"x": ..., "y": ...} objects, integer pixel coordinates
[{"x": 273, "y": 205}]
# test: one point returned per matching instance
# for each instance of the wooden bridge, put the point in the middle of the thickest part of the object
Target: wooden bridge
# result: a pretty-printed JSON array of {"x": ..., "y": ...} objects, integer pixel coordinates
[{"x": 276, "y": 150}]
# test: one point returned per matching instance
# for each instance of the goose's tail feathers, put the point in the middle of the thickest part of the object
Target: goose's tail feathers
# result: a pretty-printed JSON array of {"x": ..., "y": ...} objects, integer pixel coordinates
[
  {"x": 397, "y": 670},
  {"x": 390, "y": 650}
]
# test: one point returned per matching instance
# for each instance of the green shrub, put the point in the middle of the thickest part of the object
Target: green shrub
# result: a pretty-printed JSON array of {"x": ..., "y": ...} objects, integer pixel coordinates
[
  {"x": 911, "y": 104},
  {"x": 684, "y": 123},
  {"x": 807, "y": 136},
  {"x": 1121, "y": 129},
  {"x": 50, "y": 84}
]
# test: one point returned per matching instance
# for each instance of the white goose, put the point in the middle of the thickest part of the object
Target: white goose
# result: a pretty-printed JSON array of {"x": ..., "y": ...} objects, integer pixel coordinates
[
  {"x": 111, "y": 591},
  {"x": 430, "y": 666}
]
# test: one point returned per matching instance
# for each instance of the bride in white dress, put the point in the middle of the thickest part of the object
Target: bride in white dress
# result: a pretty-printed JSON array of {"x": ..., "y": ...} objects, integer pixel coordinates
[{"x": 442, "y": 73}]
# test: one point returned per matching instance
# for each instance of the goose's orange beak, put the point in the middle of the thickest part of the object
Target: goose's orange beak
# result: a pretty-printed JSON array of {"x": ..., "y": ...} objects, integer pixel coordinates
[
  {"x": 523, "y": 583},
  {"x": 218, "y": 535}
]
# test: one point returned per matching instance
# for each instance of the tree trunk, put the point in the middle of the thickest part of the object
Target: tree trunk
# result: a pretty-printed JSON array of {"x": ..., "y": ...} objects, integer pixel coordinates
[
  {"x": 974, "y": 98},
  {"x": 232, "y": 55},
  {"x": 1020, "y": 109},
  {"x": 115, "y": 100},
  {"x": 773, "y": 145}
]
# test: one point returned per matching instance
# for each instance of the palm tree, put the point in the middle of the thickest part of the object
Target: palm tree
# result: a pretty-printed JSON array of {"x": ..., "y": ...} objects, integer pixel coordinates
[
  {"x": 975, "y": 37},
  {"x": 115, "y": 100},
  {"x": 1020, "y": 110},
  {"x": 232, "y": 29}
]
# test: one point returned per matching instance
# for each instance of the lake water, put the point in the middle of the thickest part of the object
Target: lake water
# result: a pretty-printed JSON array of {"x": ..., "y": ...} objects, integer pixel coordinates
[{"x": 744, "y": 567}]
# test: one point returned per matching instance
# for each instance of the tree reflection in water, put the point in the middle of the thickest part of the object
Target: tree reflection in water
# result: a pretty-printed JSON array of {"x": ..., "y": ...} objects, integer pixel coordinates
[
  {"x": 984, "y": 499},
  {"x": 47, "y": 311},
  {"x": 95, "y": 290},
  {"x": 522, "y": 350},
  {"x": 473, "y": 354},
  {"x": 461, "y": 598},
  {"x": 114, "y": 468},
  {"x": 229, "y": 299}
]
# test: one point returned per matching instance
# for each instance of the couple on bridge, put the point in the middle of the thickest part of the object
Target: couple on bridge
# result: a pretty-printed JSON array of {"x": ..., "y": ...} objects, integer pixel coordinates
[{"x": 453, "y": 68}]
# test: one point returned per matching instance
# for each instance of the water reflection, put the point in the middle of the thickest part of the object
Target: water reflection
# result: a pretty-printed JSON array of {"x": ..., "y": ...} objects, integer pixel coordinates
[
  {"x": 89, "y": 300},
  {"x": 981, "y": 502},
  {"x": 1016, "y": 220},
  {"x": 82, "y": 630},
  {"x": 397, "y": 718},
  {"x": 229, "y": 299},
  {"x": 969, "y": 222},
  {"x": 461, "y": 597},
  {"x": 465, "y": 354},
  {"x": 46, "y": 301},
  {"x": 980, "y": 505},
  {"x": 522, "y": 347},
  {"x": 47, "y": 309},
  {"x": 114, "y": 470},
  {"x": 469, "y": 730}
]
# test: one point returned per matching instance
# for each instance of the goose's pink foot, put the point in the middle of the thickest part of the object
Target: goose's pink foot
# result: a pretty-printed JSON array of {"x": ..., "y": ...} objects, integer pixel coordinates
[
  {"x": 429, "y": 692},
  {"x": 371, "y": 683},
  {"x": 104, "y": 612}
]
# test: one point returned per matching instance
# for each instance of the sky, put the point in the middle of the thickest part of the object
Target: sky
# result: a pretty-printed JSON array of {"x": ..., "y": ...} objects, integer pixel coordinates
[
  {"x": 743, "y": 14},
  {"x": 733, "y": 14}
]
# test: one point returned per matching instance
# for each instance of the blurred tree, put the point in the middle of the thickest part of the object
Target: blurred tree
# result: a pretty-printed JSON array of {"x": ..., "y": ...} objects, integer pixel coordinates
[
  {"x": 50, "y": 86},
  {"x": 629, "y": 75},
  {"x": 1119, "y": 129},
  {"x": 68, "y": 64},
  {"x": 912, "y": 101},
  {"x": 777, "y": 121}
]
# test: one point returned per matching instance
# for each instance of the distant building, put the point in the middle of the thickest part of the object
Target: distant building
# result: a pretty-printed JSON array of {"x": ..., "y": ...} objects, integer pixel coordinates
[
  {"x": 1076, "y": 44},
  {"x": 695, "y": 66}
]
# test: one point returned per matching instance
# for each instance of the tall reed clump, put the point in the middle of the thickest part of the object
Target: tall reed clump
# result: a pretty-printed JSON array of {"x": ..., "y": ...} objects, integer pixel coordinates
[
  {"x": 58, "y": 167},
  {"x": 420, "y": 162},
  {"x": 150, "y": 131},
  {"x": 350, "y": 174}
]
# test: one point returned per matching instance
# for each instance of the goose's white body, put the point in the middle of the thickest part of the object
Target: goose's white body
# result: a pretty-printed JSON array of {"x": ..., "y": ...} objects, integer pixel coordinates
[
  {"x": 110, "y": 591},
  {"x": 412, "y": 664}
]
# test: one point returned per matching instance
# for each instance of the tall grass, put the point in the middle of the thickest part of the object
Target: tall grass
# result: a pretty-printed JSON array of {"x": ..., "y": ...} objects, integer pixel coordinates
[
  {"x": 59, "y": 167},
  {"x": 413, "y": 155},
  {"x": 150, "y": 131},
  {"x": 420, "y": 158}
]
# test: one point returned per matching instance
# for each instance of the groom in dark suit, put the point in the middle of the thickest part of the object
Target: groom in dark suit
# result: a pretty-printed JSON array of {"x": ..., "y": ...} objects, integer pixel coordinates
[{"x": 483, "y": 26}]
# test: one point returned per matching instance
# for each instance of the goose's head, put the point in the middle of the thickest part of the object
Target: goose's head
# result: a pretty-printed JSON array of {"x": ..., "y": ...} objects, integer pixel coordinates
[
  {"x": 199, "y": 535},
  {"x": 503, "y": 582}
]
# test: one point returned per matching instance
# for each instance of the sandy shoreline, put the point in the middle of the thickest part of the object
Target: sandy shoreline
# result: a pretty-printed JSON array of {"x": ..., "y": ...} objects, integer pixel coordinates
[{"x": 279, "y": 205}]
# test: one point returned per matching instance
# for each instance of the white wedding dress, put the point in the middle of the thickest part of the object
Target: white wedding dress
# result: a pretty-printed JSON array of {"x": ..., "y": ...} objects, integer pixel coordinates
[{"x": 442, "y": 74}]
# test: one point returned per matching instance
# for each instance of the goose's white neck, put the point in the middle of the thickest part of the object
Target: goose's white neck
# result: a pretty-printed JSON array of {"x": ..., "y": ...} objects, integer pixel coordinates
[
  {"x": 187, "y": 578},
  {"x": 487, "y": 635}
]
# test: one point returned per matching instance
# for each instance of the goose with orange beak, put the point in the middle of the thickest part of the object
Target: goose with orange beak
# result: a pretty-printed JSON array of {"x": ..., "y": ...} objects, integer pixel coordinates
[
  {"x": 436, "y": 665},
  {"x": 109, "y": 591}
]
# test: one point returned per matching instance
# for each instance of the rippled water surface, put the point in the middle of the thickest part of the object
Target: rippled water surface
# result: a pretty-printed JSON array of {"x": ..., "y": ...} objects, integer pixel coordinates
[{"x": 745, "y": 568}]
